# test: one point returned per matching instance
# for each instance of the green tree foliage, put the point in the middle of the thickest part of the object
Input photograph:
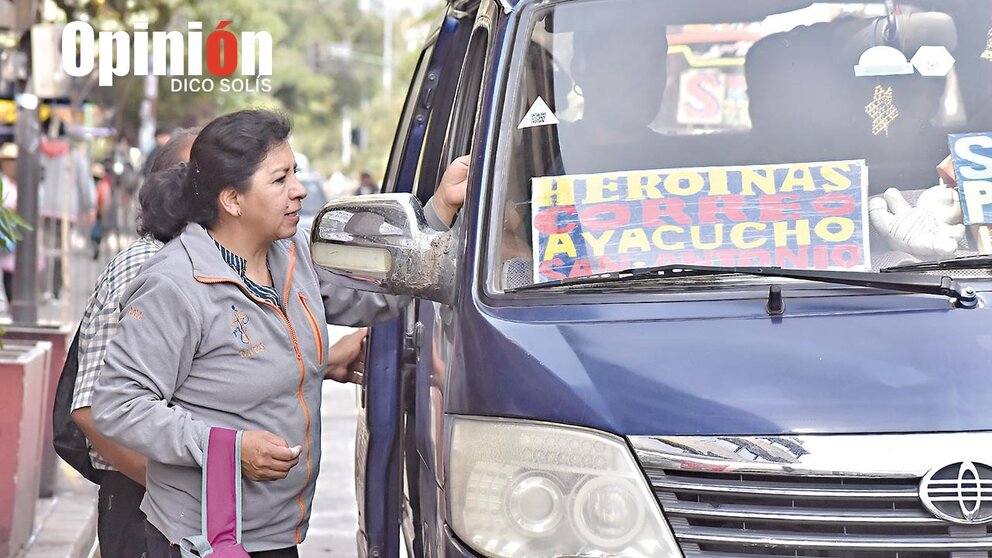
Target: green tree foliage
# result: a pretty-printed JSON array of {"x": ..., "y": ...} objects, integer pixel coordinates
[
  {"x": 379, "y": 117},
  {"x": 327, "y": 57},
  {"x": 121, "y": 14},
  {"x": 10, "y": 225}
]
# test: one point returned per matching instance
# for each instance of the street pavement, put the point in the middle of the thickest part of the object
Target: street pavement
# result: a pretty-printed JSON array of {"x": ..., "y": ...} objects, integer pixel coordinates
[
  {"x": 335, "y": 518},
  {"x": 65, "y": 524}
]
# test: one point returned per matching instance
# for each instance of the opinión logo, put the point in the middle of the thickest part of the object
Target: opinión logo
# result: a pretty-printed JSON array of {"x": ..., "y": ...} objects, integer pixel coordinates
[{"x": 174, "y": 54}]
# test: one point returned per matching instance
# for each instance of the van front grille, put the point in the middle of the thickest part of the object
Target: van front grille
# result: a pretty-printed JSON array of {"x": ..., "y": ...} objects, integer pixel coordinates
[{"x": 735, "y": 511}]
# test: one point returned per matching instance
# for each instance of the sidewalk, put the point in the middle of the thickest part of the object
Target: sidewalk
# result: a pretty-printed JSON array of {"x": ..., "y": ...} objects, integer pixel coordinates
[
  {"x": 334, "y": 520},
  {"x": 65, "y": 525}
]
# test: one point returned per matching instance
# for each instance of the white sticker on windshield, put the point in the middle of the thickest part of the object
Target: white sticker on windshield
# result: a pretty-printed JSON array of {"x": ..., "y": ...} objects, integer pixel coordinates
[
  {"x": 933, "y": 61},
  {"x": 540, "y": 114},
  {"x": 987, "y": 55},
  {"x": 883, "y": 61}
]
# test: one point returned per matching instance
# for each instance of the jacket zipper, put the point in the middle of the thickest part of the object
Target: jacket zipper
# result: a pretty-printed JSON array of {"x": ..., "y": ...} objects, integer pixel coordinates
[
  {"x": 316, "y": 329},
  {"x": 299, "y": 361}
]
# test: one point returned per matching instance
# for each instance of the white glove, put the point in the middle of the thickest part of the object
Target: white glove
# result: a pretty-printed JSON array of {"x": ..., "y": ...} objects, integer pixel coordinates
[
  {"x": 921, "y": 230},
  {"x": 943, "y": 203}
]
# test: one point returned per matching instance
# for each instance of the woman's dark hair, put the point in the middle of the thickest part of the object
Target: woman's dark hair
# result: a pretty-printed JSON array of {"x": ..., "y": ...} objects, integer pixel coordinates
[
  {"x": 225, "y": 154},
  {"x": 160, "y": 190}
]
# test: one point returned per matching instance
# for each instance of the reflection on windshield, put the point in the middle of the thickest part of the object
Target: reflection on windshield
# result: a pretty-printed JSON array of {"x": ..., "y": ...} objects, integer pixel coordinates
[{"x": 739, "y": 134}]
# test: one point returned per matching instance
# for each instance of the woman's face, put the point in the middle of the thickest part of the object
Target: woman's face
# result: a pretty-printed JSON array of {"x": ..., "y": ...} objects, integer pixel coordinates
[{"x": 271, "y": 206}]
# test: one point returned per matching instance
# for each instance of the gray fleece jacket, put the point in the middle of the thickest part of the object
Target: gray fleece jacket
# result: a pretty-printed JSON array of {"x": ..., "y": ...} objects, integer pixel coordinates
[{"x": 195, "y": 350}]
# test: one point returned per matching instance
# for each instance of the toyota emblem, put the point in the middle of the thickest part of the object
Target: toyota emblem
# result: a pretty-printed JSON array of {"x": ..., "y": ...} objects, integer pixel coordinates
[{"x": 960, "y": 493}]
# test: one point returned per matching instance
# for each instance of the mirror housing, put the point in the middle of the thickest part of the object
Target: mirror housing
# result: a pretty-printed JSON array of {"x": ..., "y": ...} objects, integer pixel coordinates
[{"x": 383, "y": 243}]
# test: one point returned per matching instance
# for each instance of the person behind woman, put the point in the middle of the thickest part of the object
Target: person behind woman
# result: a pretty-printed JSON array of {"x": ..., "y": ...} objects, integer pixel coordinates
[
  {"x": 120, "y": 524},
  {"x": 222, "y": 329}
]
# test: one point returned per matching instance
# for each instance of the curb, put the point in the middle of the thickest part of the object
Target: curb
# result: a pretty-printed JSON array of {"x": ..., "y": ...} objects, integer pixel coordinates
[{"x": 65, "y": 525}]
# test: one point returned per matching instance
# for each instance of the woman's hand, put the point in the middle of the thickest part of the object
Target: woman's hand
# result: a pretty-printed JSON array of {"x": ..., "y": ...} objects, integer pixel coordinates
[
  {"x": 450, "y": 194},
  {"x": 346, "y": 359},
  {"x": 266, "y": 457}
]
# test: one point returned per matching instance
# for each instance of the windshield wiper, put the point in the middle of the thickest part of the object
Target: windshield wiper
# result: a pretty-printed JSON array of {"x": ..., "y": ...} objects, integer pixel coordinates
[
  {"x": 906, "y": 282},
  {"x": 963, "y": 262}
]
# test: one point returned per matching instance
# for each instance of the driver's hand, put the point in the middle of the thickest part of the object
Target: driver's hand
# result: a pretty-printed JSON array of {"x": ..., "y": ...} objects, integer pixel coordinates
[{"x": 450, "y": 194}]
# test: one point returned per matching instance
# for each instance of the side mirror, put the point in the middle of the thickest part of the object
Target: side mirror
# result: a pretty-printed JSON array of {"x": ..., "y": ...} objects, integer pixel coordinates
[{"x": 382, "y": 243}]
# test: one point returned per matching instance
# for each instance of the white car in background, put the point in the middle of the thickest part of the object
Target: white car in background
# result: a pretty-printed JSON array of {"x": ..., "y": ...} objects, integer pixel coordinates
[{"x": 314, "y": 201}]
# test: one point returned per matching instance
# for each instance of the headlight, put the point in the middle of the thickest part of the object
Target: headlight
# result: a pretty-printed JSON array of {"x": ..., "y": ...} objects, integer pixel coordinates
[{"x": 522, "y": 489}]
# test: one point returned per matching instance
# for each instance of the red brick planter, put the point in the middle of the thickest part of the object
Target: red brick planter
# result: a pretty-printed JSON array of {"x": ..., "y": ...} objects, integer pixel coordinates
[
  {"x": 60, "y": 336},
  {"x": 23, "y": 391}
]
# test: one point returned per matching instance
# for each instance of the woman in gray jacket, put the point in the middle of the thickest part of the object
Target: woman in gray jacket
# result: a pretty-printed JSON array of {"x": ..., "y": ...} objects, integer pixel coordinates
[{"x": 224, "y": 328}]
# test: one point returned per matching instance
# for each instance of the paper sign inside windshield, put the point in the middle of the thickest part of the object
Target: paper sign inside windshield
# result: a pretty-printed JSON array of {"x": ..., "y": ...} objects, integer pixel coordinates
[
  {"x": 796, "y": 216},
  {"x": 972, "y": 155}
]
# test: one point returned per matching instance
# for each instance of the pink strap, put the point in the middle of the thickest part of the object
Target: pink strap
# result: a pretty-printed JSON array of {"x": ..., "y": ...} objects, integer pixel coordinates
[
  {"x": 221, "y": 505},
  {"x": 222, "y": 487}
]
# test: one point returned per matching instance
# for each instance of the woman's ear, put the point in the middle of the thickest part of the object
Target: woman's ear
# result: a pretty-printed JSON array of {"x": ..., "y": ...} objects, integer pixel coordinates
[{"x": 230, "y": 202}]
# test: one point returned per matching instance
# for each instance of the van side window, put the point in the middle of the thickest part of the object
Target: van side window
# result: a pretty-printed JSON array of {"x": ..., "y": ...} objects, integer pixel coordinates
[
  {"x": 403, "y": 131},
  {"x": 434, "y": 107},
  {"x": 461, "y": 126}
]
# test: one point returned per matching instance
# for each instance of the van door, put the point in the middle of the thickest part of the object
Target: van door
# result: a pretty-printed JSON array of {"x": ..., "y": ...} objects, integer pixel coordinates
[
  {"x": 378, "y": 447},
  {"x": 450, "y": 135}
]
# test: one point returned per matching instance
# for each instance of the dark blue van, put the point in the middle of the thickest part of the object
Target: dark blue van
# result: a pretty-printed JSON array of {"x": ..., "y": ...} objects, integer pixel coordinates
[{"x": 709, "y": 295}]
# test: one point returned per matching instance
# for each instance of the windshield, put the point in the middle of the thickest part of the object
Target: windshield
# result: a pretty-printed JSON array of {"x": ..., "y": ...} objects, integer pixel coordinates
[{"x": 794, "y": 134}]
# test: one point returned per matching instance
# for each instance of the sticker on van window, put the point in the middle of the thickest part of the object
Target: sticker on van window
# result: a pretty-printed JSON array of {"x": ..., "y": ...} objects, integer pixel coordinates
[
  {"x": 972, "y": 156},
  {"x": 933, "y": 61},
  {"x": 882, "y": 110},
  {"x": 987, "y": 55},
  {"x": 796, "y": 216},
  {"x": 540, "y": 114},
  {"x": 883, "y": 61}
]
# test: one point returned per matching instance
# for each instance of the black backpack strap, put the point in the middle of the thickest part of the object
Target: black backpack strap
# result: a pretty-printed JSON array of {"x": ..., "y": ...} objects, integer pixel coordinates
[{"x": 69, "y": 441}]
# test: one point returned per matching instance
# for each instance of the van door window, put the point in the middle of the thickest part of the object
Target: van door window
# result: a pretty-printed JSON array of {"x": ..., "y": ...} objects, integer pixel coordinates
[
  {"x": 403, "y": 132},
  {"x": 461, "y": 127}
]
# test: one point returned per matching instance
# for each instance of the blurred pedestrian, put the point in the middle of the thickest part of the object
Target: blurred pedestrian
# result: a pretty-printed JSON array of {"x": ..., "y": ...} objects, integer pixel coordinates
[
  {"x": 102, "y": 205},
  {"x": 66, "y": 197},
  {"x": 162, "y": 136},
  {"x": 366, "y": 185}
]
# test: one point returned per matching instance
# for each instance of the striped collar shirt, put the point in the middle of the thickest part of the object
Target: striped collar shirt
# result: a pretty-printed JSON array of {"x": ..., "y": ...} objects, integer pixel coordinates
[{"x": 240, "y": 266}]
